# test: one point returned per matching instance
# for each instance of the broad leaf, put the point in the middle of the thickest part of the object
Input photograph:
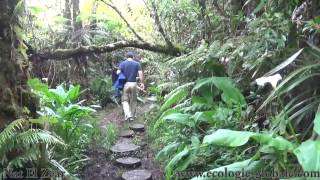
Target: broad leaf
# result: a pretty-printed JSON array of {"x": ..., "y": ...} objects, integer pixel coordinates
[
  {"x": 73, "y": 93},
  {"x": 181, "y": 119},
  {"x": 225, "y": 137},
  {"x": 174, "y": 162},
  {"x": 230, "y": 94},
  {"x": 174, "y": 99},
  {"x": 38, "y": 86},
  {"x": 308, "y": 154},
  {"x": 205, "y": 116},
  {"x": 167, "y": 151},
  {"x": 317, "y": 122}
]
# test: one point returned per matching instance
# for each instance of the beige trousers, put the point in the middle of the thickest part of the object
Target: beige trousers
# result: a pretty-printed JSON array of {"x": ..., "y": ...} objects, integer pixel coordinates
[{"x": 129, "y": 99}]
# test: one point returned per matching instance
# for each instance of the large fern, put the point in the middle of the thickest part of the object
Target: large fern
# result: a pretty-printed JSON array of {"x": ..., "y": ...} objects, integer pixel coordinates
[{"x": 18, "y": 136}]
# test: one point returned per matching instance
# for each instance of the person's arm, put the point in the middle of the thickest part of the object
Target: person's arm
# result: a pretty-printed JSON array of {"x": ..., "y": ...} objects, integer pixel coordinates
[{"x": 141, "y": 78}]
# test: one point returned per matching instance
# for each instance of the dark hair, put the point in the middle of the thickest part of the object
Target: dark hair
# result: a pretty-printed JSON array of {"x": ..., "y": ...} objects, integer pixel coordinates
[{"x": 129, "y": 54}]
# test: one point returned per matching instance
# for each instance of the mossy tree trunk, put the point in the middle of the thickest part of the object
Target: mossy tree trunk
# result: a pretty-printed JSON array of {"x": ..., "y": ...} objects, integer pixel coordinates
[{"x": 14, "y": 94}]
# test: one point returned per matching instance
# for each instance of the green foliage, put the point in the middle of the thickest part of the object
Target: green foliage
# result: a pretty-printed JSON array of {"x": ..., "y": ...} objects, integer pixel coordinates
[
  {"x": 205, "y": 121},
  {"x": 19, "y": 136},
  {"x": 308, "y": 155},
  {"x": 102, "y": 88},
  {"x": 215, "y": 105},
  {"x": 230, "y": 93},
  {"x": 317, "y": 123},
  {"x": 111, "y": 135},
  {"x": 190, "y": 119},
  {"x": 68, "y": 119},
  {"x": 174, "y": 98},
  {"x": 224, "y": 137}
]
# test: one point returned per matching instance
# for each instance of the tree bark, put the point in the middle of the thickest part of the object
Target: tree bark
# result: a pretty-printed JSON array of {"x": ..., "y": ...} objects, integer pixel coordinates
[
  {"x": 93, "y": 23},
  {"x": 75, "y": 13},
  {"x": 14, "y": 94},
  {"x": 67, "y": 12},
  {"x": 61, "y": 54}
]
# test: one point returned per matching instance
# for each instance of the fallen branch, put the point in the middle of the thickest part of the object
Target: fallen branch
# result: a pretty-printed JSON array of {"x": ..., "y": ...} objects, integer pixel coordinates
[{"x": 61, "y": 54}]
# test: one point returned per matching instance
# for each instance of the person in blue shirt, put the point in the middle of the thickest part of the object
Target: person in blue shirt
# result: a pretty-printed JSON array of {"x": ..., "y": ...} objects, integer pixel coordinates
[{"x": 130, "y": 69}]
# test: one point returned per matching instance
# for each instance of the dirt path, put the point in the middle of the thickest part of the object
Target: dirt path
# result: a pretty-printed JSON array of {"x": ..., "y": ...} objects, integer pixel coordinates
[{"x": 103, "y": 166}]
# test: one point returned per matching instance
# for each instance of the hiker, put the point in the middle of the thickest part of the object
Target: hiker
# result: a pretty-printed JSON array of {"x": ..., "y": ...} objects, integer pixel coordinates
[{"x": 130, "y": 69}]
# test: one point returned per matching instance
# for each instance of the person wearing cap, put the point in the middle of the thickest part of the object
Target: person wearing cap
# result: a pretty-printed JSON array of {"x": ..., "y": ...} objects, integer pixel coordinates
[{"x": 130, "y": 68}]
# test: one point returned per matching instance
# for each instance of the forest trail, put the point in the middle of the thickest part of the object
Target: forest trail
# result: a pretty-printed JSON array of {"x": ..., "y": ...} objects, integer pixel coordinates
[{"x": 130, "y": 155}]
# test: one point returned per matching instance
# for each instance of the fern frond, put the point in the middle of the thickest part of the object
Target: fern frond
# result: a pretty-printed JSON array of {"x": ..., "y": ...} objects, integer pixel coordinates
[
  {"x": 29, "y": 155},
  {"x": 11, "y": 129},
  {"x": 35, "y": 136},
  {"x": 26, "y": 139}
]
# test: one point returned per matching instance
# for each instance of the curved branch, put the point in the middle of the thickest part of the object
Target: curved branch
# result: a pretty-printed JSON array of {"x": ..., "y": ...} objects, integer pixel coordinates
[
  {"x": 61, "y": 54},
  {"x": 158, "y": 23},
  {"x": 124, "y": 19}
]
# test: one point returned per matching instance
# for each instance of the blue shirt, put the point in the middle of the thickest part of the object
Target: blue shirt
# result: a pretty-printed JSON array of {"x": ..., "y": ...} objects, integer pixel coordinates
[{"x": 130, "y": 70}]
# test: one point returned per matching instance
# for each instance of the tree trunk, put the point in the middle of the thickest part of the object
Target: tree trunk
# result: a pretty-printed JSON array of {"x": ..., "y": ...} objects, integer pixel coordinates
[
  {"x": 67, "y": 12},
  {"x": 75, "y": 13},
  {"x": 93, "y": 23},
  {"x": 14, "y": 94}
]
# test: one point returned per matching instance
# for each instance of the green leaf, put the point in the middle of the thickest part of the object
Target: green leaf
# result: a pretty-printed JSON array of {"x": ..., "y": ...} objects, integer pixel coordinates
[
  {"x": 74, "y": 110},
  {"x": 173, "y": 164},
  {"x": 316, "y": 122},
  {"x": 225, "y": 137},
  {"x": 59, "y": 95},
  {"x": 167, "y": 151},
  {"x": 308, "y": 154},
  {"x": 205, "y": 116},
  {"x": 180, "y": 118},
  {"x": 230, "y": 93},
  {"x": 38, "y": 86},
  {"x": 35, "y": 10},
  {"x": 73, "y": 93},
  {"x": 44, "y": 119},
  {"x": 174, "y": 98}
]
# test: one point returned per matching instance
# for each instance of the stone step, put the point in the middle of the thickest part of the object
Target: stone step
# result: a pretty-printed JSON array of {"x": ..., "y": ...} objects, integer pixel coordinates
[
  {"x": 129, "y": 162},
  {"x": 137, "y": 127},
  {"x": 127, "y": 133},
  {"x": 124, "y": 148},
  {"x": 138, "y": 174}
]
